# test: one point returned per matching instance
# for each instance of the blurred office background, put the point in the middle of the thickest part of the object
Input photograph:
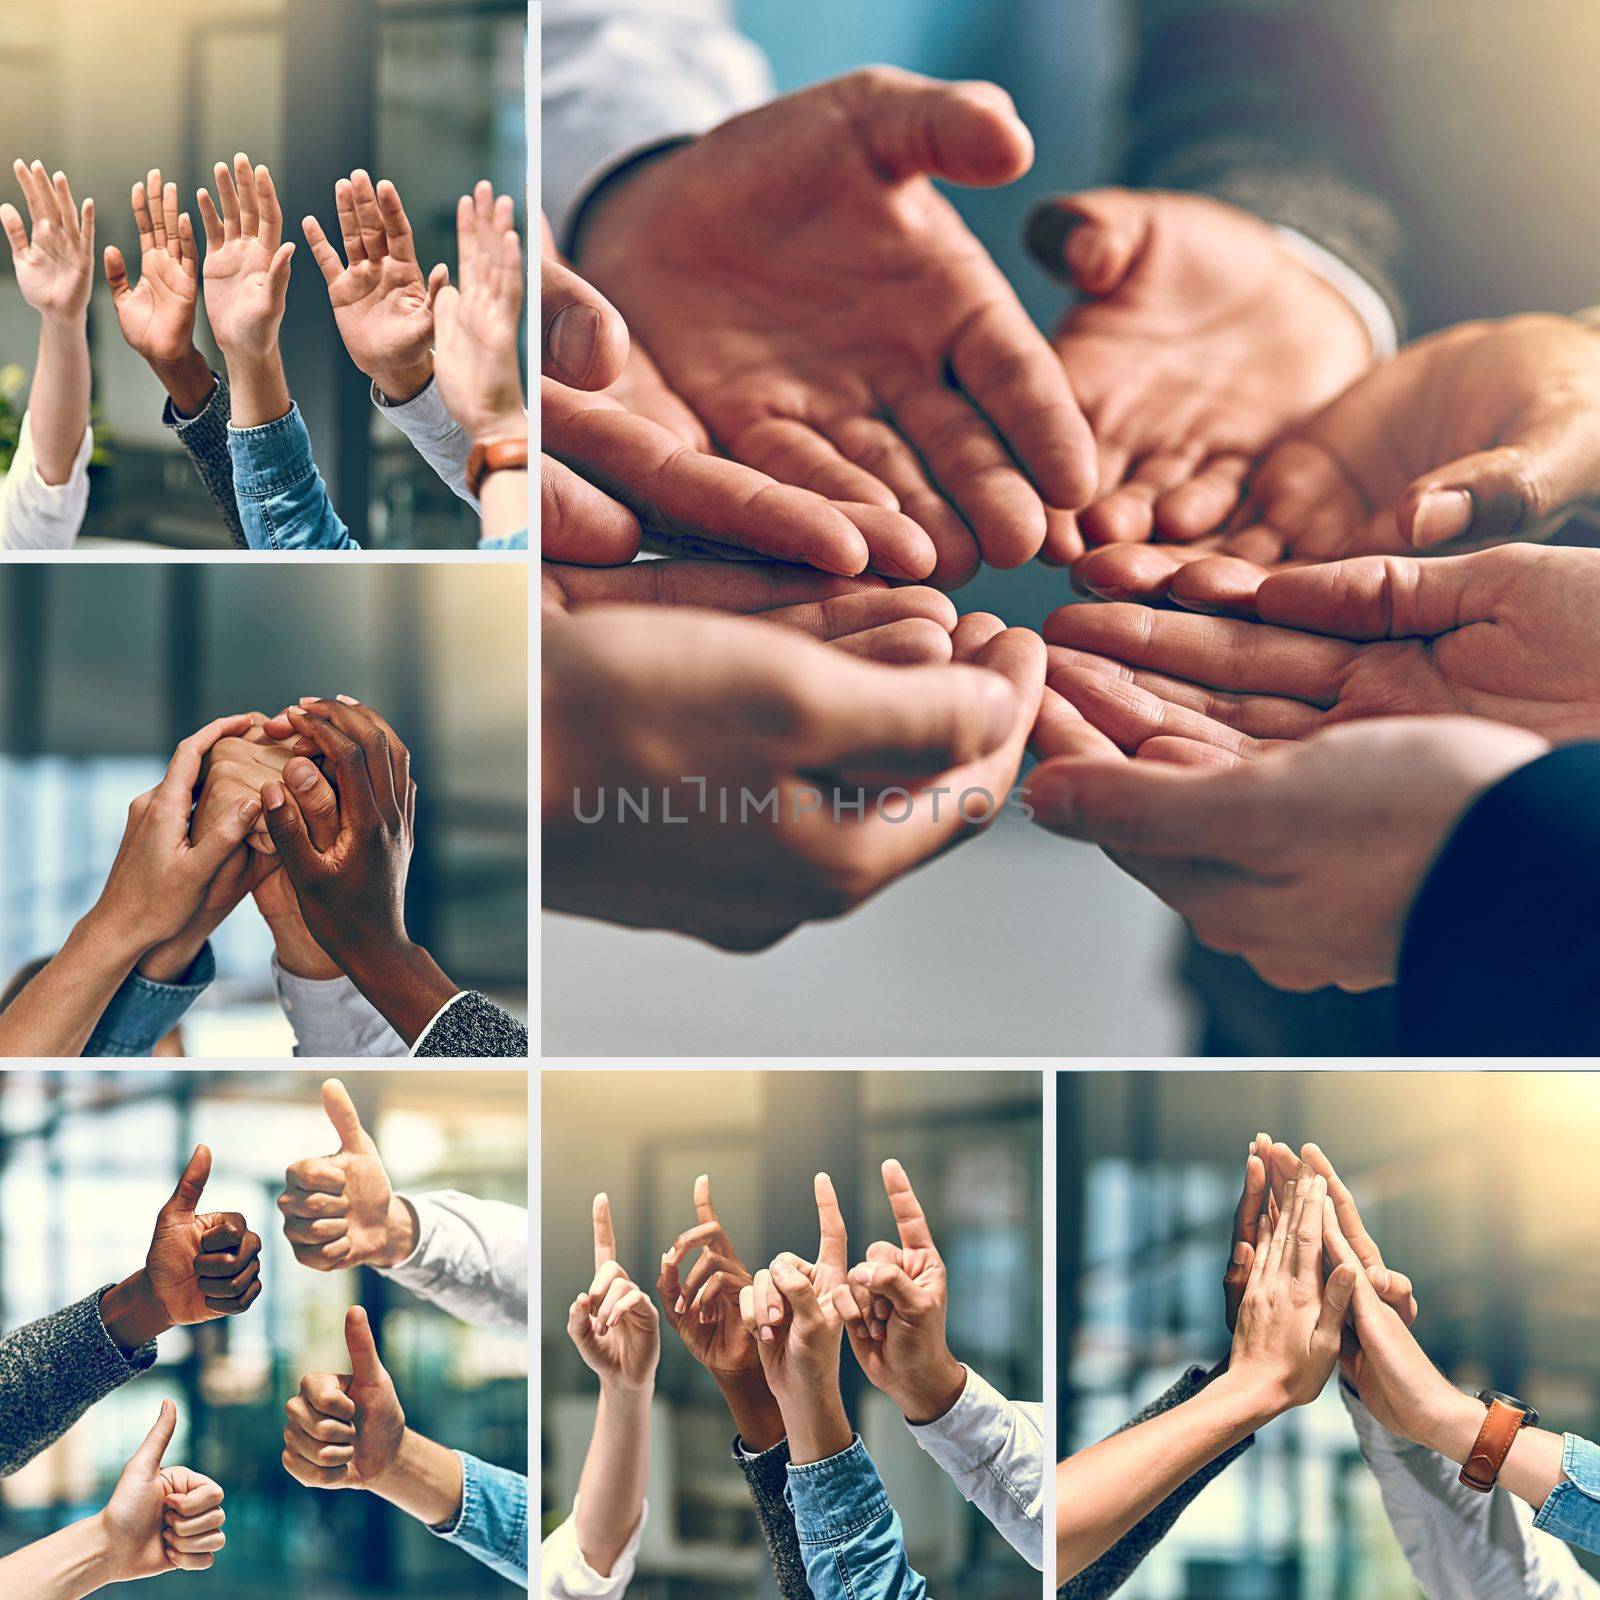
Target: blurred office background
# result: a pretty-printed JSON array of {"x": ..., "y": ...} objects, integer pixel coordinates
[
  {"x": 1020, "y": 943},
  {"x": 429, "y": 93},
  {"x": 103, "y": 669},
  {"x": 1475, "y": 1184},
  {"x": 86, "y": 1161},
  {"x": 971, "y": 1143}
]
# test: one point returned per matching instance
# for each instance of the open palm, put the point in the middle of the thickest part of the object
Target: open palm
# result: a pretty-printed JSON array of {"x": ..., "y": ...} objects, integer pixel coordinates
[
  {"x": 55, "y": 266},
  {"x": 246, "y": 271},
  {"x": 157, "y": 314}
]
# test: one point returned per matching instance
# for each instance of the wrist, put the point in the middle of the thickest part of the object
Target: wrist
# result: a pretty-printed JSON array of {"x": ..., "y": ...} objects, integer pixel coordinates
[
  {"x": 95, "y": 1558},
  {"x": 65, "y": 326},
  {"x": 400, "y": 978},
  {"x": 497, "y": 425},
  {"x": 1251, "y": 1398},
  {"x": 755, "y": 1412},
  {"x": 817, "y": 1430},
  {"x": 189, "y": 381},
  {"x": 1448, "y": 1424},
  {"x": 258, "y": 385},
  {"x": 932, "y": 1394},
  {"x": 109, "y": 936},
  {"x": 401, "y": 385},
  {"x": 298, "y": 953},
  {"x": 400, "y": 1236},
  {"x": 423, "y": 1479},
  {"x": 131, "y": 1313},
  {"x": 168, "y": 961}
]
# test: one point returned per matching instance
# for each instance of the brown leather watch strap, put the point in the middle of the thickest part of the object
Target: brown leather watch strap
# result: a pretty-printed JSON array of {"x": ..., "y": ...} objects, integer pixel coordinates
[
  {"x": 1493, "y": 1444},
  {"x": 496, "y": 455}
]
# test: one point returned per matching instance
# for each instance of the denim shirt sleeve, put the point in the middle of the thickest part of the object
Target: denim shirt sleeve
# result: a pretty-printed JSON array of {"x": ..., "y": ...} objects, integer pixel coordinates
[
  {"x": 1571, "y": 1510},
  {"x": 283, "y": 502},
  {"x": 492, "y": 1525},
  {"x": 850, "y": 1536},
  {"x": 512, "y": 541},
  {"x": 142, "y": 1013},
  {"x": 993, "y": 1450}
]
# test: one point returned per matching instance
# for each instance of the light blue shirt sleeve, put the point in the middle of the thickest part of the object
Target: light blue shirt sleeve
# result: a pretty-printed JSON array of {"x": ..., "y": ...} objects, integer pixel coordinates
[
  {"x": 1571, "y": 1510},
  {"x": 283, "y": 502},
  {"x": 142, "y": 1013},
  {"x": 493, "y": 1523},
  {"x": 850, "y": 1536}
]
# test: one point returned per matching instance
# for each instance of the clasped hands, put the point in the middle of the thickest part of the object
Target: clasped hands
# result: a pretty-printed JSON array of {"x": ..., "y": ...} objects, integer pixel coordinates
[{"x": 771, "y": 1338}]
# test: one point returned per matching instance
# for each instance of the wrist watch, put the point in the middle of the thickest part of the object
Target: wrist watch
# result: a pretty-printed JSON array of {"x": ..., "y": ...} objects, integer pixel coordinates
[
  {"x": 1507, "y": 1417},
  {"x": 495, "y": 455}
]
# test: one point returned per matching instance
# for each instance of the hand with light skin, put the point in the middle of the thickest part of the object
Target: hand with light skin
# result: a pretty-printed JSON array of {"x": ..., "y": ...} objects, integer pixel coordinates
[
  {"x": 644, "y": 699},
  {"x": 614, "y": 1326},
  {"x": 158, "y": 1519},
  {"x": 55, "y": 273},
  {"x": 381, "y": 303},
  {"x": 894, "y": 1310},
  {"x": 1305, "y": 862},
  {"x": 156, "y": 887},
  {"x": 861, "y": 616},
  {"x": 822, "y": 308},
  {"x": 246, "y": 281},
  {"x": 1198, "y": 340},
  {"x": 1504, "y": 633},
  {"x": 157, "y": 314},
  {"x": 341, "y": 1211},
  {"x": 1477, "y": 434},
  {"x": 788, "y": 1311}
]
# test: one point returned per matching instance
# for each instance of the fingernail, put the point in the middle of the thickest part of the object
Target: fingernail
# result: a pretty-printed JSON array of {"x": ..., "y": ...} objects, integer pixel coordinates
[
  {"x": 272, "y": 796},
  {"x": 1086, "y": 252},
  {"x": 1241, "y": 1253},
  {"x": 309, "y": 699},
  {"x": 999, "y": 712},
  {"x": 678, "y": 1309},
  {"x": 301, "y": 775},
  {"x": 249, "y": 810},
  {"x": 574, "y": 340},
  {"x": 766, "y": 1334},
  {"x": 347, "y": 699},
  {"x": 1441, "y": 514}
]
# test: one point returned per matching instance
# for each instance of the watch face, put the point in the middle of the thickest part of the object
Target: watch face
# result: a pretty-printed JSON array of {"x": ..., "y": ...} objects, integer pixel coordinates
[{"x": 1530, "y": 1417}]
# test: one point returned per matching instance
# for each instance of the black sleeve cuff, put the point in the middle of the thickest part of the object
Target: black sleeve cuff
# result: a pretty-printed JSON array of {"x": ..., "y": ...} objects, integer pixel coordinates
[{"x": 1499, "y": 955}]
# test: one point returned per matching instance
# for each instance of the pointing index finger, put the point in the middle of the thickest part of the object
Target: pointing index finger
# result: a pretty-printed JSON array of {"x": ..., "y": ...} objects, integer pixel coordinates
[
  {"x": 915, "y": 1233},
  {"x": 605, "y": 1238},
  {"x": 834, "y": 1247}
]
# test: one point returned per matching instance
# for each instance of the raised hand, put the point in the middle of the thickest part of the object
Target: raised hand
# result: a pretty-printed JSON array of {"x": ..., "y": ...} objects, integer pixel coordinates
[
  {"x": 894, "y": 1309},
  {"x": 55, "y": 267},
  {"x": 636, "y": 698},
  {"x": 813, "y": 298},
  {"x": 157, "y": 315},
  {"x": 1504, "y": 633},
  {"x": 1473, "y": 435},
  {"x": 1394, "y": 1288},
  {"x": 161, "y": 1519},
  {"x": 1305, "y": 863},
  {"x": 1200, "y": 337},
  {"x": 340, "y": 1210},
  {"x": 1287, "y": 1339},
  {"x": 247, "y": 264},
  {"x": 702, "y": 1305},
  {"x": 345, "y": 1430},
  {"x": 201, "y": 1265},
  {"x": 1254, "y": 1201},
  {"x": 613, "y": 1322},
  {"x": 479, "y": 338},
  {"x": 378, "y": 293}
]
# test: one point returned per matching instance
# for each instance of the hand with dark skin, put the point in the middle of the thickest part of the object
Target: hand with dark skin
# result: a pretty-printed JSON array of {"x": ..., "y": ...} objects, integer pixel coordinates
[
  {"x": 702, "y": 1306},
  {"x": 341, "y": 1211},
  {"x": 157, "y": 314},
  {"x": 1506, "y": 633},
  {"x": 822, "y": 308},
  {"x": 352, "y": 893},
  {"x": 652, "y": 700},
  {"x": 201, "y": 1265},
  {"x": 1475, "y": 435},
  {"x": 1198, "y": 339}
]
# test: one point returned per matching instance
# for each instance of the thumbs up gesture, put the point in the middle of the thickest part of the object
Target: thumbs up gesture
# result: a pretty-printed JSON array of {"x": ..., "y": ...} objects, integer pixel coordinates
[
  {"x": 201, "y": 1264},
  {"x": 345, "y": 1429},
  {"x": 340, "y": 1210},
  {"x": 161, "y": 1519}
]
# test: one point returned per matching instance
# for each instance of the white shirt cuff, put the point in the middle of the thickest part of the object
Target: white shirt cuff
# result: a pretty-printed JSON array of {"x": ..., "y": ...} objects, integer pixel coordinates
[
  {"x": 564, "y": 1574},
  {"x": 1345, "y": 281},
  {"x": 35, "y": 515}
]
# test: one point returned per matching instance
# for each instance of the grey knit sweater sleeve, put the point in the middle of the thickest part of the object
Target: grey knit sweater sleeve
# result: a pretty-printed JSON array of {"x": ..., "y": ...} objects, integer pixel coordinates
[
  {"x": 1257, "y": 102},
  {"x": 473, "y": 1025},
  {"x": 1118, "y": 1564},
  {"x": 767, "y": 1476},
  {"x": 204, "y": 438},
  {"x": 52, "y": 1371}
]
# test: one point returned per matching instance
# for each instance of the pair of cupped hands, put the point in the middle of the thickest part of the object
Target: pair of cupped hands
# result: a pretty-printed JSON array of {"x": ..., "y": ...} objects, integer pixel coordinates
[
  {"x": 1307, "y": 1289},
  {"x": 781, "y": 1326}
]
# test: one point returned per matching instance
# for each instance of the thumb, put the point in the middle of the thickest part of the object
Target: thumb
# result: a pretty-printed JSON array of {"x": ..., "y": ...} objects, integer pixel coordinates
[
  {"x": 438, "y": 279},
  {"x": 287, "y": 829},
  {"x": 278, "y": 272},
  {"x": 1090, "y": 240},
  {"x": 186, "y": 1197},
  {"x": 1335, "y": 1302},
  {"x": 915, "y": 126},
  {"x": 1386, "y": 597},
  {"x": 365, "y": 1367},
  {"x": 148, "y": 1456},
  {"x": 345, "y": 1118},
  {"x": 585, "y": 341},
  {"x": 116, "y": 274},
  {"x": 207, "y": 856}
]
